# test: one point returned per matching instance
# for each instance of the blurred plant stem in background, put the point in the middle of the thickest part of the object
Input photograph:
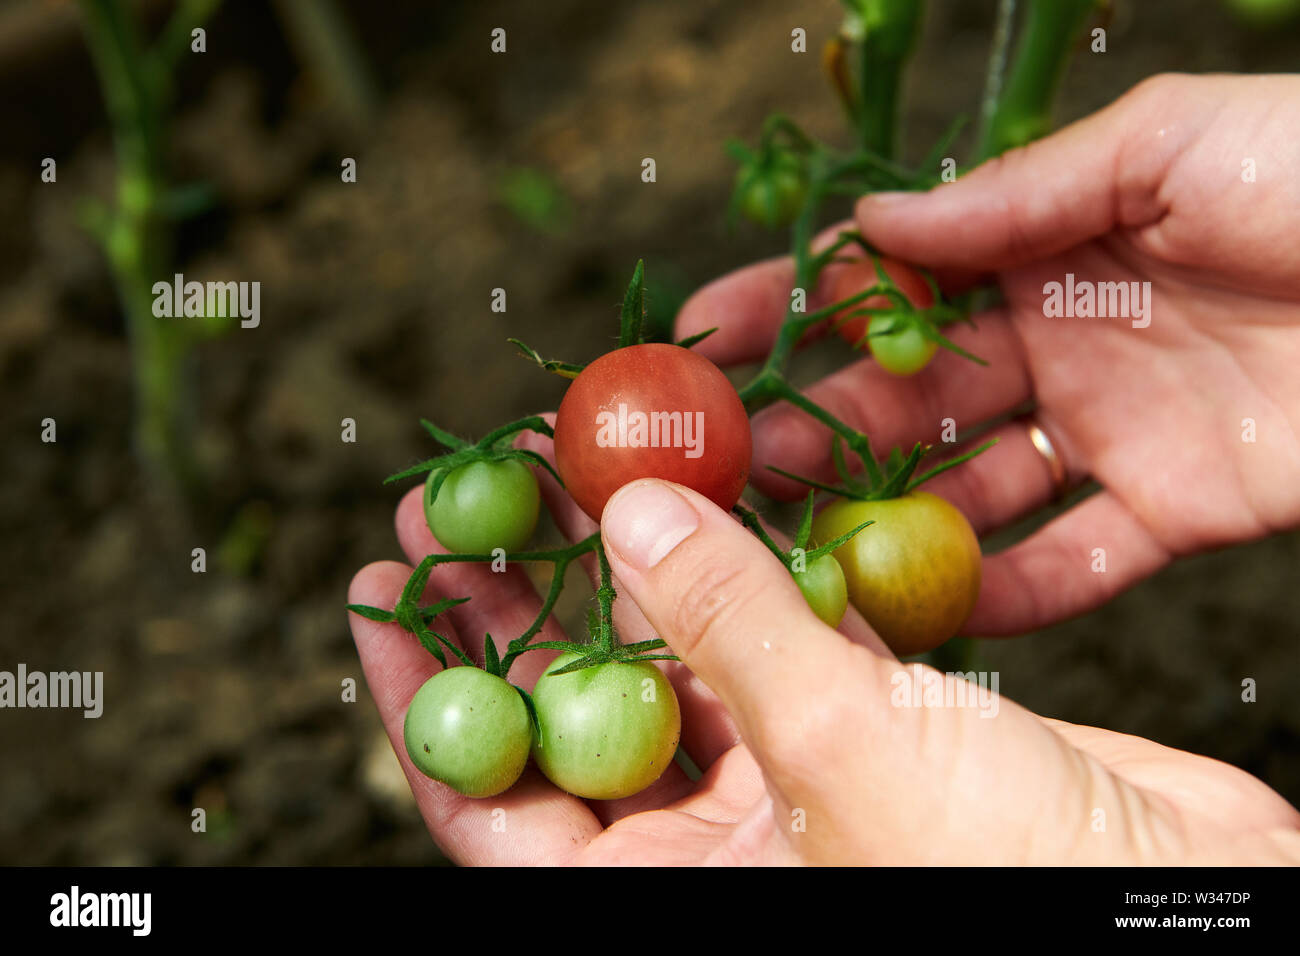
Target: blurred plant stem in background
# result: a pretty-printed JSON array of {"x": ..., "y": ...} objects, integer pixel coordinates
[
  {"x": 885, "y": 33},
  {"x": 320, "y": 36},
  {"x": 866, "y": 62},
  {"x": 1018, "y": 108},
  {"x": 135, "y": 230}
]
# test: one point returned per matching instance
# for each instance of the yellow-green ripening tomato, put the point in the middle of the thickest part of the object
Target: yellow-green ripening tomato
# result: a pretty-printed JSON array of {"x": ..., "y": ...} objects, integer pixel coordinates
[
  {"x": 606, "y": 732},
  {"x": 914, "y": 574}
]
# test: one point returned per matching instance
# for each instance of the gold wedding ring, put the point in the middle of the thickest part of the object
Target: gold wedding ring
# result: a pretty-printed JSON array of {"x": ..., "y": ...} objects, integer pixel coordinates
[{"x": 1044, "y": 446}]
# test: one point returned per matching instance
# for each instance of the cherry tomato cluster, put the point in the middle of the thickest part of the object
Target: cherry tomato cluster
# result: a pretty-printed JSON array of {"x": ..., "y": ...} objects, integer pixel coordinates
[
  {"x": 601, "y": 733},
  {"x": 603, "y": 722}
]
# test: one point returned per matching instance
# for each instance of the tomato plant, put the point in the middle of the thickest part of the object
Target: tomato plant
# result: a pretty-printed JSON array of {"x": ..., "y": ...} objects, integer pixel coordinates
[
  {"x": 605, "y": 732},
  {"x": 605, "y": 720},
  {"x": 824, "y": 588},
  {"x": 651, "y": 411},
  {"x": 482, "y": 505},
  {"x": 470, "y": 730},
  {"x": 914, "y": 574},
  {"x": 861, "y": 275}
]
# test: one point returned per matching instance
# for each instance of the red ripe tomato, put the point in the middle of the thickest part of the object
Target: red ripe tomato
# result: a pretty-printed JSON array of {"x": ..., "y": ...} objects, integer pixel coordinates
[
  {"x": 652, "y": 411},
  {"x": 860, "y": 276}
]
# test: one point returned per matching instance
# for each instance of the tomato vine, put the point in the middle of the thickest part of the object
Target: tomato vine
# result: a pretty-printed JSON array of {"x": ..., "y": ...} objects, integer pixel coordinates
[{"x": 787, "y": 178}]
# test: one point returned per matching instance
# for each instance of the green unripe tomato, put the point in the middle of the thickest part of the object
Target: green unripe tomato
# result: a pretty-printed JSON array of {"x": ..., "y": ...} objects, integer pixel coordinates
[
  {"x": 904, "y": 352},
  {"x": 773, "y": 196},
  {"x": 606, "y": 732},
  {"x": 469, "y": 730},
  {"x": 483, "y": 506},
  {"x": 823, "y": 586}
]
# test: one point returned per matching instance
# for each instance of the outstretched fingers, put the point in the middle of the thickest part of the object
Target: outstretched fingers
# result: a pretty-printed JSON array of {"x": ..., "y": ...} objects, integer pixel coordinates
[
  {"x": 541, "y": 823},
  {"x": 1073, "y": 564}
]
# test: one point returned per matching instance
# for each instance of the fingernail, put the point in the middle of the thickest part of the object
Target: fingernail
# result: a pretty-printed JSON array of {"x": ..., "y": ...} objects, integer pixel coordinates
[{"x": 643, "y": 522}]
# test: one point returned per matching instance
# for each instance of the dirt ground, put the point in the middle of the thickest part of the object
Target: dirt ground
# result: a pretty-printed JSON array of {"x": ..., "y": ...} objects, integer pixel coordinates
[{"x": 223, "y": 688}]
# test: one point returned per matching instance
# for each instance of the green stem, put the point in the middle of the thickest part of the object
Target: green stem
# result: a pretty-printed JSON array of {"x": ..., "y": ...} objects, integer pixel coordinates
[
  {"x": 995, "y": 73},
  {"x": 322, "y": 38},
  {"x": 136, "y": 238},
  {"x": 533, "y": 423},
  {"x": 751, "y": 521},
  {"x": 605, "y": 595},
  {"x": 890, "y": 31},
  {"x": 1023, "y": 107}
]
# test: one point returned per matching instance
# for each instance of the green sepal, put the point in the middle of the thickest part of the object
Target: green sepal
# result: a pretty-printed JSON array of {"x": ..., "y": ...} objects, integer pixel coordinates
[
  {"x": 633, "y": 308},
  {"x": 593, "y": 659},
  {"x": 429, "y": 641},
  {"x": 952, "y": 463},
  {"x": 929, "y": 330},
  {"x": 491, "y": 659},
  {"x": 564, "y": 369},
  {"x": 804, "y": 530},
  {"x": 372, "y": 613},
  {"x": 897, "y": 483},
  {"x": 693, "y": 340},
  {"x": 442, "y": 437},
  {"x": 835, "y": 544},
  {"x": 532, "y": 710}
]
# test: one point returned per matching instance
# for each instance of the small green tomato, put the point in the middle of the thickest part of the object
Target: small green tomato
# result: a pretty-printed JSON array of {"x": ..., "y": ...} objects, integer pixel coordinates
[
  {"x": 904, "y": 352},
  {"x": 823, "y": 586},
  {"x": 483, "y": 506},
  {"x": 469, "y": 730}
]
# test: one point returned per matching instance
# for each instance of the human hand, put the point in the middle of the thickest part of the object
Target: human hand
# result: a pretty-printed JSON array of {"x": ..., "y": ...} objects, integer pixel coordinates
[
  {"x": 818, "y": 765},
  {"x": 1154, "y": 414}
]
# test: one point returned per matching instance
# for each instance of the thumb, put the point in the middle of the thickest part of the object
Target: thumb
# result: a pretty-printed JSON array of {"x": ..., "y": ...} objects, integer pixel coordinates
[
  {"x": 877, "y": 777},
  {"x": 1077, "y": 184},
  {"x": 723, "y": 603}
]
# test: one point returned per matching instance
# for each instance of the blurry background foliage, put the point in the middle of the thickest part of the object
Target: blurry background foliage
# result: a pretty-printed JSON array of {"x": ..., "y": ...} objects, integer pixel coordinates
[{"x": 474, "y": 172}]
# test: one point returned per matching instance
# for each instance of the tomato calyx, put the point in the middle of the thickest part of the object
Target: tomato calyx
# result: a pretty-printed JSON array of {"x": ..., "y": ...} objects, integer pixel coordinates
[
  {"x": 497, "y": 445},
  {"x": 563, "y": 369},
  {"x": 603, "y": 648},
  {"x": 799, "y": 556},
  {"x": 632, "y": 330},
  {"x": 893, "y": 478},
  {"x": 415, "y": 619}
]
